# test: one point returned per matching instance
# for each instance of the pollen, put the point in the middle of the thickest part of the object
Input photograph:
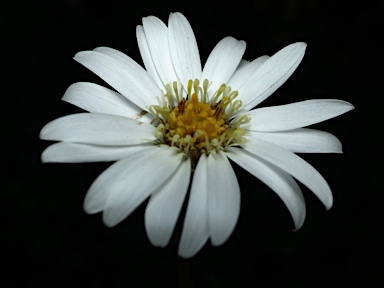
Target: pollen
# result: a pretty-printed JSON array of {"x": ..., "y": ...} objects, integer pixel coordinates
[{"x": 198, "y": 123}]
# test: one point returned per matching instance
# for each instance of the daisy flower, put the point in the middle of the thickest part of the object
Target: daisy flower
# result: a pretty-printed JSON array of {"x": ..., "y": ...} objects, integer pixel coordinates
[{"x": 175, "y": 123}]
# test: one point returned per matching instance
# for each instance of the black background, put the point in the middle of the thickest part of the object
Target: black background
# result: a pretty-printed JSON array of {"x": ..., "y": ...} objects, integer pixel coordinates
[{"x": 47, "y": 239}]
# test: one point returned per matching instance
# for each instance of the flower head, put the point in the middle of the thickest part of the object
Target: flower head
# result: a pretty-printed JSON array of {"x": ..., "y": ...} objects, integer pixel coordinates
[{"x": 174, "y": 118}]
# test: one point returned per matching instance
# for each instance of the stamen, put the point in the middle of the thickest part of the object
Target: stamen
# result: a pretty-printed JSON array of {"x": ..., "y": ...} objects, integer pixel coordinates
[
  {"x": 187, "y": 140},
  {"x": 196, "y": 87},
  {"x": 222, "y": 139},
  {"x": 175, "y": 88},
  {"x": 218, "y": 93},
  {"x": 233, "y": 108},
  {"x": 190, "y": 83},
  {"x": 181, "y": 106},
  {"x": 215, "y": 143},
  {"x": 205, "y": 89},
  {"x": 195, "y": 104},
  {"x": 217, "y": 112},
  {"x": 175, "y": 139},
  {"x": 198, "y": 133},
  {"x": 169, "y": 95},
  {"x": 228, "y": 142}
]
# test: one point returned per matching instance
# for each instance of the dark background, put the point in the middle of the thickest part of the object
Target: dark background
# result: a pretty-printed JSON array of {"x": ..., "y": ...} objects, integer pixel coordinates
[{"x": 47, "y": 239}]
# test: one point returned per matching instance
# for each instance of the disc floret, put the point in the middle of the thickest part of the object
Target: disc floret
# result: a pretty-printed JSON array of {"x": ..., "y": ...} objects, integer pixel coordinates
[{"x": 198, "y": 123}]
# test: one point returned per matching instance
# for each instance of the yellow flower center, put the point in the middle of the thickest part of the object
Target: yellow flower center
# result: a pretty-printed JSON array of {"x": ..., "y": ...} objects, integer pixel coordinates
[{"x": 198, "y": 123}]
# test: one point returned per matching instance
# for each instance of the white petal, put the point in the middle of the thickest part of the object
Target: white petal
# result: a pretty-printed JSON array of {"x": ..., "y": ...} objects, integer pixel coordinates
[
  {"x": 296, "y": 115},
  {"x": 131, "y": 182},
  {"x": 123, "y": 74},
  {"x": 164, "y": 206},
  {"x": 67, "y": 152},
  {"x": 146, "y": 56},
  {"x": 223, "y": 61},
  {"x": 184, "y": 51},
  {"x": 223, "y": 198},
  {"x": 101, "y": 129},
  {"x": 276, "y": 179},
  {"x": 301, "y": 140},
  {"x": 271, "y": 75},
  {"x": 156, "y": 33},
  {"x": 244, "y": 72},
  {"x": 195, "y": 229},
  {"x": 98, "y": 193},
  {"x": 243, "y": 63},
  {"x": 98, "y": 99},
  {"x": 294, "y": 165}
]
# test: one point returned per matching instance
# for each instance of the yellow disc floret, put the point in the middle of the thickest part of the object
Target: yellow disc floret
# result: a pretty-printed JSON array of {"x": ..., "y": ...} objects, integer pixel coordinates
[{"x": 198, "y": 124}]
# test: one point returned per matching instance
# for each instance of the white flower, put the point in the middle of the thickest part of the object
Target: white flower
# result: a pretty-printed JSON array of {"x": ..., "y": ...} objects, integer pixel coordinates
[{"x": 175, "y": 117}]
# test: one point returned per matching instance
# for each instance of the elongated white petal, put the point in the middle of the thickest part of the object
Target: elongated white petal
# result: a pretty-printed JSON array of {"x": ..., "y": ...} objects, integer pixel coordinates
[
  {"x": 294, "y": 165},
  {"x": 243, "y": 63},
  {"x": 156, "y": 33},
  {"x": 131, "y": 182},
  {"x": 101, "y": 129},
  {"x": 244, "y": 72},
  {"x": 184, "y": 51},
  {"x": 223, "y": 61},
  {"x": 195, "y": 229},
  {"x": 271, "y": 75},
  {"x": 164, "y": 206},
  {"x": 146, "y": 56},
  {"x": 123, "y": 74},
  {"x": 223, "y": 198},
  {"x": 276, "y": 179},
  {"x": 98, "y": 193},
  {"x": 301, "y": 140},
  {"x": 143, "y": 75},
  {"x": 98, "y": 99},
  {"x": 296, "y": 115},
  {"x": 68, "y": 152}
]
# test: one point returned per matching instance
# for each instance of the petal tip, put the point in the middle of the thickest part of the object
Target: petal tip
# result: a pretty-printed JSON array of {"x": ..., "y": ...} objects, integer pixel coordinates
[
  {"x": 108, "y": 221},
  {"x": 176, "y": 14},
  {"x": 44, "y": 158},
  {"x": 77, "y": 55},
  {"x": 89, "y": 207},
  {"x": 86, "y": 208},
  {"x": 43, "y": 132},
  {"x": 302, "y": 44},
  {"x": 298, "y": 226},
  {"x": 299, "y": 47},
  {"x": 185, "y": 253},
  {"x": 329, "y": 205}
]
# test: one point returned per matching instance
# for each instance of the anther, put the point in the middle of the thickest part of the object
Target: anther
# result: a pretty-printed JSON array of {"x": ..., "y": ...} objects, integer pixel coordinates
[
  {"x": 217, "y": 112},
  {"x": 181, "y": 106},
  {"x": 195, "y": 103}
]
